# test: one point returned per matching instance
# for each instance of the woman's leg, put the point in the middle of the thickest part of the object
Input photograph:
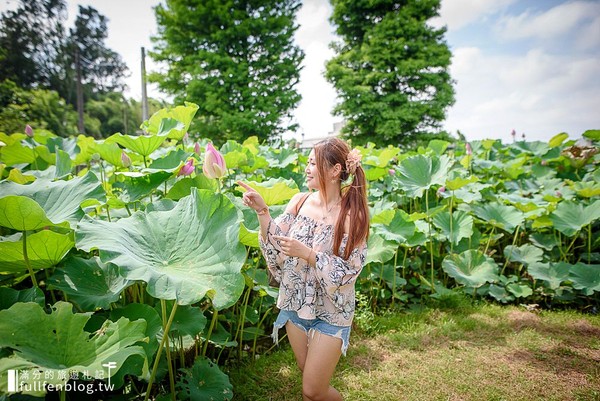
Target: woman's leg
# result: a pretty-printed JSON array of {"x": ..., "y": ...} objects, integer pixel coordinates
[
  {"x": 323, "y": 355},
  {"x": 299, "y": 342}
]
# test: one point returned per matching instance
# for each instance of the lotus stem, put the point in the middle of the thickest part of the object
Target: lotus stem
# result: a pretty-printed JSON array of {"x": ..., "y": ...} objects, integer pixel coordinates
[
  {"x": 240, "y": 329},
  {"x": 27, "y": 263},
  {"x": 430, "y": 239},
  {"x": 489, "y": 240},
  {"x": 213, "y": 322},
  {"x": 589, "y": 252},
  {"x": 510, "y": 254},
  {"x": 259, "y": 324},
  {"x": 159, "y": 352},
  {"x": 163, "y": 305},
  {"x": 394, "y": 278}
]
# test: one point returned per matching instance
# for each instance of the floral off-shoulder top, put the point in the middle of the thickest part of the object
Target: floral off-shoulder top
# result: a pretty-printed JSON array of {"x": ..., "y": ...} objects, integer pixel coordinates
[{"x": 325, "y": 291}]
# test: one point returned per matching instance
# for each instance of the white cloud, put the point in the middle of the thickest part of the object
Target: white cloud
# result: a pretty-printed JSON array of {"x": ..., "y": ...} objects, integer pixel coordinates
[
  {"x": 538, "y": 93},
  {"x": 458, "y": 13},
  {"x": 549, "y": 24}
]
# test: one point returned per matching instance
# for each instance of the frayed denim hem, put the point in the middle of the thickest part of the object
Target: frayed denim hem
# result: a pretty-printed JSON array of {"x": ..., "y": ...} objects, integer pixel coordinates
[{"x": 341, "y": 332}]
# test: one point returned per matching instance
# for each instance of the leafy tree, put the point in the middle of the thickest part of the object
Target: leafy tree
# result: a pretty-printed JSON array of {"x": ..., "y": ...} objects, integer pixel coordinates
[
  {"x": 102, "y": 69},
  {"x": 39, "y": 108},
  {"x": 31, "y": 38},
  {"x": 390, "y": 69},
  {"x": 236, "y": 59}
]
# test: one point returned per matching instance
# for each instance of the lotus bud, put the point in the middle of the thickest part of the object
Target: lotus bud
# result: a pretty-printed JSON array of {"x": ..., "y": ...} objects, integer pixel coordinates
[
  {"x": 197, "y": 148},
  {"x": 214, "y": 163},
  {"x": 544, "y": 162},
  {"x": 392, "y": 171},
  {"x": 125, "y": 159},
  {"x": 469, "y": 150},
  {"x": 186, "y": 137},
  {"x": 558, "y": 194},
  {"x": 513, "y": 133},
  {"x": 441, "y": 190},
  {"x": 187, "y": 168},
  {"x": 29, "y": 131}
]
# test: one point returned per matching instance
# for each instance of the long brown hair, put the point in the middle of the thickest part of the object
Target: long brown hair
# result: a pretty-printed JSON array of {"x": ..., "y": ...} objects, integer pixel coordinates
[{"x": 328, "y": 153}]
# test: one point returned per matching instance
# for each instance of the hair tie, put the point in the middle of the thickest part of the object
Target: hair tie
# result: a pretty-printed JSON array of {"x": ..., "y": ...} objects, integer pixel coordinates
[{"x": 353, "y": 160}]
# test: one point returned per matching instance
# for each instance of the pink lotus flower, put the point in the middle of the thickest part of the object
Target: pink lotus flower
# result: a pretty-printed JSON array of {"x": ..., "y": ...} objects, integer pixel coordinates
[
  {"x": 29, "y": 131},
  {"x": 441, "y": 190},
  {"x": 125, "y": 159},
  {"x": 197, "y": 148},
  {"x": 187, "y": 168},
  {"x": 469, "y": 150},
  {"x": 392, "y": 171},
  {"x": 214, "y": 163}
]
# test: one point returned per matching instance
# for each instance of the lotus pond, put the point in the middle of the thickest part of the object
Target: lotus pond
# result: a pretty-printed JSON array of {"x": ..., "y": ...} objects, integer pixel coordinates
[{"x": 127, "y": 262}]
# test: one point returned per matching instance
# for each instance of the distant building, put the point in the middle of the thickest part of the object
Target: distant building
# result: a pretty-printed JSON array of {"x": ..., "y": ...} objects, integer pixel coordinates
[{"x": 310, "y": 142}]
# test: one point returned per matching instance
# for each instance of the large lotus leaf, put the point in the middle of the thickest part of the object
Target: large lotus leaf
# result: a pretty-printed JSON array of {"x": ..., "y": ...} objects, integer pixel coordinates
[
  {"x": 16, "y": 153},
  {"x": 538, "y": 148},
  {"x": 170, "y": 162},
  {"x": 89, "y": 282},
  {"x": 455, "y": 228},
  {"x": 587, "y": 189},
  {"x": 174, "y": 122},
  {"x": 63, "y": 164},
  {"x": 204, "y": 381},
  {"x": 182, "y": 253},
  {"x": 60, "y": 199},
  {"x": 519, "y": 290},
  {"x": 459, "y": 182},
  {"x": 10, "y": 296},
  {"x": 501, "y": 216},
  {"x": 525, "y": 254},
  {"x": 110, "y": 152},
  {"x": 23, "y": 214},
  {"x": 57, "y": 342},
  {"x": 275, "y": 190},
  {"x": 142, "y": 145},
  {"x": 552, "y": 273},
  {"x": 44, "y": 249},
  {"x": 184, "y": 186},
  {"x": 249, "y": 237},
  {"x": 593, "y": 134},
  {"x": 419, "y": 173},
  {"x": 570, "y": 217},
  {"x": 398, "y": 230},
  {"x": 188, "y": 320},
  {"x": 380, "y": 250},
  {"x": 149, "y": 315},
  {"x": 135, "y": 187},
  {"x": 471, "y": 268},
  {"x": 585, "y": 277},
  {"x": 281, "y": 158}
]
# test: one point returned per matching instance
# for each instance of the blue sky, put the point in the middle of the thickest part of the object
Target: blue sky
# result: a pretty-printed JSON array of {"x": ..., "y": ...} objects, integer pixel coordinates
[{"x": 528, "y": 65}]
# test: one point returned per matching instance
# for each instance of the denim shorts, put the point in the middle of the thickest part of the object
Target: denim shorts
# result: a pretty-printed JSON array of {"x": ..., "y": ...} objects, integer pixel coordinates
[{"x": 310, "y": 327}]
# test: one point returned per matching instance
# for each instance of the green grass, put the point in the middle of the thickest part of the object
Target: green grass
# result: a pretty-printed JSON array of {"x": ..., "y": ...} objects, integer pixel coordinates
[{"x": 456, "y": 351}]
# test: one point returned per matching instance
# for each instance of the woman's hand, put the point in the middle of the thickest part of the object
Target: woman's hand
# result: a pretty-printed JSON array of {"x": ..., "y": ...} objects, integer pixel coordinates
[
  {"x": 252, "y": 199},
  {"x": 292, "y": 247}
]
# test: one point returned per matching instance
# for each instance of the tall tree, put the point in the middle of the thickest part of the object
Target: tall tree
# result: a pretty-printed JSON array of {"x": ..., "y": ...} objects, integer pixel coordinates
[
  {"x": 390, "y": 69},
  {"x": 102, "y": 69},
  {"x": 236, "y": 59},
  {"x": 31, "y": 38}
]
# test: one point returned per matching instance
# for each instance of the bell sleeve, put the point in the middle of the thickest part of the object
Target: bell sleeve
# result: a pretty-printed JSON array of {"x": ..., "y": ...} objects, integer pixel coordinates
[
  {"x": 337, "y": 275},
  {"x": 269, "y": 247}
]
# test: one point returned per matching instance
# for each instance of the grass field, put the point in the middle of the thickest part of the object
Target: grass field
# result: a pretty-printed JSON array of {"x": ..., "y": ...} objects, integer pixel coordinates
[{"x": 455, "y": 351}]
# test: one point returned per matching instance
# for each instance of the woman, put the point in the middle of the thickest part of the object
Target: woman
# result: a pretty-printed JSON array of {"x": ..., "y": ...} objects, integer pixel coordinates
[{"x": 316, "y": 250}]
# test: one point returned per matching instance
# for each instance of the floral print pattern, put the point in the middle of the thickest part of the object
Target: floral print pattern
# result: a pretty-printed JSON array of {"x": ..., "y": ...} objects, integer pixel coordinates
[{"x": 325, "y": 291}]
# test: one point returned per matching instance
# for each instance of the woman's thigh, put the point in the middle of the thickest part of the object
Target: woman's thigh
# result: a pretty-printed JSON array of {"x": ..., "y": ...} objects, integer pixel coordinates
[
  {"x": 323, "y": 354},
  {"x": 299, "y": 341}
]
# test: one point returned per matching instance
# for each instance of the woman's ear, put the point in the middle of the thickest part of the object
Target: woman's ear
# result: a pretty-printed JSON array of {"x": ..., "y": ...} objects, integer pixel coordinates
[{"x": 337, "y": 170}]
